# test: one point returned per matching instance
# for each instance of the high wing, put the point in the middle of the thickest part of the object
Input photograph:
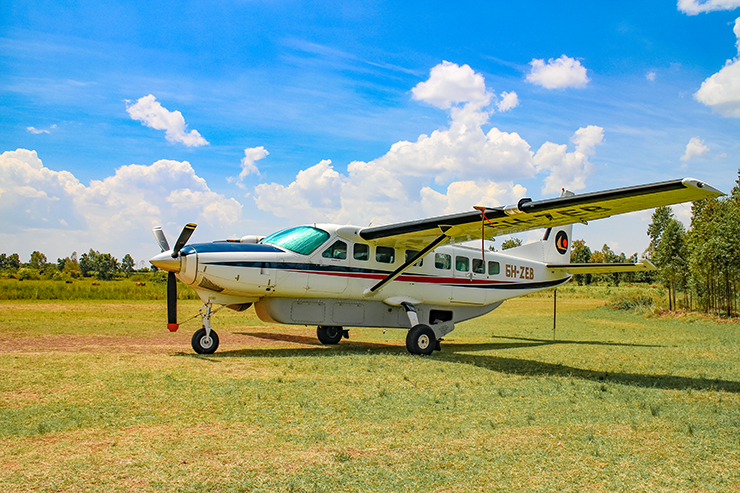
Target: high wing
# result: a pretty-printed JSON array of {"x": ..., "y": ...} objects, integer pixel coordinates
[{"x": 527, "y": 215}]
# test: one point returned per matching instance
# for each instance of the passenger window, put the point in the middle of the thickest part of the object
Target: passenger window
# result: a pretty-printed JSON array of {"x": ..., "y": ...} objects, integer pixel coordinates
[
  {"x": 361, "y": 252},
  {"x": 478, "y": 266},
  {"x": 385, "y": 255},
  {"x": 442, "y": 261},
  {"x": 493, "y": 268},
  {"x": 462, "y": 264},
  {"x": 410, "y": 254},
  {"x": 338, "y": 251}
]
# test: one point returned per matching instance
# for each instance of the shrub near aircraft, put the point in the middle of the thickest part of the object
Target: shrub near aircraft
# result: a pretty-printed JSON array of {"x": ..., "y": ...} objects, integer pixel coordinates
[{"x": 411, "y": 275}]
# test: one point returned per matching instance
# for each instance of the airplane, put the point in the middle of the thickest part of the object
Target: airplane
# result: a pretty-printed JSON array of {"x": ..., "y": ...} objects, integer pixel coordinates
[{"x": 412, "y": 275}]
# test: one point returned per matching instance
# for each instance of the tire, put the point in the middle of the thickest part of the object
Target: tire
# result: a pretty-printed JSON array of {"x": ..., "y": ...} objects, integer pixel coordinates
[
  {"x": 202, "y": 345},
  {"x": 421, "y": 340},
  {"x": 329, "y": 334}
]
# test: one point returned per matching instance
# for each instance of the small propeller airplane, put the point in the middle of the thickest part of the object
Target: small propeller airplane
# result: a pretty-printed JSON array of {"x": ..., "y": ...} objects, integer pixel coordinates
[{"x": 411, "y": 275}]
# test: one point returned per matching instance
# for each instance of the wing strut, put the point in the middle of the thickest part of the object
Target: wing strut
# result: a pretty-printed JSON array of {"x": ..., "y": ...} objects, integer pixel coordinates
[{"x": 410, "y": 262}]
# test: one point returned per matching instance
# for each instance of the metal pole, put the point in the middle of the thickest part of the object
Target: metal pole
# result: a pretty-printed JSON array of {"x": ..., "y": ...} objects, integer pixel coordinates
[{"x": 554, "y": 311}]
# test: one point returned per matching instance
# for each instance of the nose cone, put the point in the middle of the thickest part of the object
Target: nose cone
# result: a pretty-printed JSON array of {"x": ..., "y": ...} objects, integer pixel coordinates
[{"x": 165, "y": 261}]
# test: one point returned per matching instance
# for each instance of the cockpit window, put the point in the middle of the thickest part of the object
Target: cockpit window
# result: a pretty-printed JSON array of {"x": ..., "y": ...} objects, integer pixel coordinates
[{"x": 302, "y": 239}]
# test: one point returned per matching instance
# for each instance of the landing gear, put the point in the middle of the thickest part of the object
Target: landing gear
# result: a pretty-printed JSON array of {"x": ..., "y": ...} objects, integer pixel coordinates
[
  {"x": 421, "y": 340},
  {"x": 204, "y": 343},
  {"x": 330, "y": 334},
  {"x": 205, "y": 340}
]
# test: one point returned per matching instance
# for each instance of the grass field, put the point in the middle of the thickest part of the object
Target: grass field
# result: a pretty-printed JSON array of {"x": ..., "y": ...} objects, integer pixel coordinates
[{"x": 96, "y": 395}]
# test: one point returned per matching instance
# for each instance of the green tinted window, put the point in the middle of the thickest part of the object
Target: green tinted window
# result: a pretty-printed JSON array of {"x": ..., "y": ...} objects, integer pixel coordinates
[
  {"x": 386, "y": 255},
  {"x": 478, "y": 266},
  {"x": 462, "y": 264},
  {"x": 493, "y": 268},
  {"x": 303, "y": 239},
  {"x": 410, "y": 254},
  {"x": 338, "y": 251},
  {"x": 361, "y": 252},
  {"x": 442, "y": 261}
]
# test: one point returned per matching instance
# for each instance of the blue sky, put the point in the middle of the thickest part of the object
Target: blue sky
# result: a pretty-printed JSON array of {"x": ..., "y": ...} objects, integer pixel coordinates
[{"x": 299, "y": 112}]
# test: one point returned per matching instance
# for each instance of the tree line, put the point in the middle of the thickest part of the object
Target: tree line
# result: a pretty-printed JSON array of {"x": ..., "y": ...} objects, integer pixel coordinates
[{"x": 101, "y": 266}]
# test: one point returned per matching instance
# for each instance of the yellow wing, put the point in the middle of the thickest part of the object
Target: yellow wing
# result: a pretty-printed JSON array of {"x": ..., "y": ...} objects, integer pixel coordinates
[{"x": 527, "y": 215}]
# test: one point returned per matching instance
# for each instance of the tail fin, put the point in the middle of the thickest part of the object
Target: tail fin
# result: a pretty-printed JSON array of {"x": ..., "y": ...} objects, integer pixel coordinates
[{"x": 554, "y": 247}]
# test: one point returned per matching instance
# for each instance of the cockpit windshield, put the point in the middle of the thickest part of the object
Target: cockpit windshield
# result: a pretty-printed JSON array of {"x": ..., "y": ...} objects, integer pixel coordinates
[{"x": 301, "y": 239}]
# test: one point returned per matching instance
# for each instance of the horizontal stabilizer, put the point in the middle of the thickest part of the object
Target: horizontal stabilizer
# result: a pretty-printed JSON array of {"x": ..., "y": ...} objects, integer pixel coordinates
[{"x": 605, "y": 268}]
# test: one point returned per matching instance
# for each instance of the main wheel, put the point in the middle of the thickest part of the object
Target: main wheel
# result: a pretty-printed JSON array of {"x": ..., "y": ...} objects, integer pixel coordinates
[
  {"x": 421, "y": 340},
  {"x": 329, "y": 334},
  {"x": 202, "y": 344}
]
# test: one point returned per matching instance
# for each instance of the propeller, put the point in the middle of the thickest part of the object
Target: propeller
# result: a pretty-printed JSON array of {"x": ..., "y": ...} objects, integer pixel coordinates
[{"x": 165, "y": 261}]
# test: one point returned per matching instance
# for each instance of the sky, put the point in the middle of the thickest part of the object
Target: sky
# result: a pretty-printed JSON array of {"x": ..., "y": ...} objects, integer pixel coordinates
[{"x": 246, "y": 117}]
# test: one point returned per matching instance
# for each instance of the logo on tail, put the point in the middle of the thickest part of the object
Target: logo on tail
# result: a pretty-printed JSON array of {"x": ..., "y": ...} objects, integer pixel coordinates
[{"x": 561, "y": 242}]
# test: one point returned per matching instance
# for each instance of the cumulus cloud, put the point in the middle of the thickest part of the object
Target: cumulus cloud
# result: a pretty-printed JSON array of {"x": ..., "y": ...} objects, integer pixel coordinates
[
  {"x": 558, "y": 73},
  {"x": 695, "y": 7},
  {"x": 695, "y": 148},
  {"x": 108, "y": 214},
  {"x": 449, "y": 170},
  {"x": 149, "y": 112},
  {"x": 721, "y": 91},
  {"x": 450, "y": 84},
  {"x": 251, "y": 155},
  {"x": 509, "y": 100},
  {"x": 651, "y": 76},
  {"x": 569, "y": 169}
]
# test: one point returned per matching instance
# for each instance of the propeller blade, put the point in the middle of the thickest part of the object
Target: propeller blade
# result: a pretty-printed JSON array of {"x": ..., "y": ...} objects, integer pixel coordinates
[
  {"x": 159, "y": 234},
  {"x": 184, "y": 237},
  {"x": 172, "y": 324}
]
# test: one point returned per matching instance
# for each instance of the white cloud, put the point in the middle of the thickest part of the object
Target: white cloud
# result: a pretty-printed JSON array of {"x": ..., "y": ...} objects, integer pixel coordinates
[
  {"x": 651, "y": 76},
  {"x": 558, "y": 73},
  {"x": 115, "y": 214},
  {"x": 694, "y": 7},
  {"x": 471, "y": 165},
  {"x": 251, "y": 155},
  {"x": 450, "y": 84},
  {"x": 509, "y": 100},
  {"x": 695, "y": 148},
  {"x": 37, "y": 131},
  {"x": 152, "y": 114},
  {"x": 721, "y": 91},
  {"x": 569, "y": 169}
]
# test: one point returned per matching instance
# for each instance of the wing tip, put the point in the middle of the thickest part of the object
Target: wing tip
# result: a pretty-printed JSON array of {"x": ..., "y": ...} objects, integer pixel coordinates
[{"x": 693, "y": 182}]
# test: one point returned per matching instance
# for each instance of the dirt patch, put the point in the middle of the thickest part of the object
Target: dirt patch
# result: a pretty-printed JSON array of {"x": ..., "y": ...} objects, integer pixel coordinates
[{"x": 232, "y": 339}]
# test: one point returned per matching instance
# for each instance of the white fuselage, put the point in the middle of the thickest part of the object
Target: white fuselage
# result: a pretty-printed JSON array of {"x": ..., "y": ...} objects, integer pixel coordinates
[{"x": 330, "y": 284}]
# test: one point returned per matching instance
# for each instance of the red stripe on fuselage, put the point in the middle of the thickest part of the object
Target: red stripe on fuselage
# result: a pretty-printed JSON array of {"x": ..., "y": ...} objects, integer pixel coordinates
[{"x": 458, "y": 281}]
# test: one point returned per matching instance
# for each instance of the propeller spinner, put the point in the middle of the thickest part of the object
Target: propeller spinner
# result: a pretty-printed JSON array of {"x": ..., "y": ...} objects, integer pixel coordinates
[{"x": 170, "y": 262}]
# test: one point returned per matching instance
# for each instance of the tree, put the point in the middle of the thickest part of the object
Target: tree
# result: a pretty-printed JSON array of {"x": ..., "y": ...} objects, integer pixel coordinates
[
  {"x": 13, "y": 262},
  {"x": 127, "y": 264},
  {"x": 87, "y": 263},
  {"x": 70, "y": 266},
  {"x": 661, "y": 217},
  {"x": 670, "y": 257},
  {"x": 511, "y": 243},
  {"x": 581, "y": 254},
  {"x": 38, "y": 261}
]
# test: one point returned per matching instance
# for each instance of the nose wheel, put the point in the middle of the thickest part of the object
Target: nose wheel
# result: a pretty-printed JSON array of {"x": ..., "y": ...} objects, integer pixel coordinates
[{"x": 204, "y": 343}]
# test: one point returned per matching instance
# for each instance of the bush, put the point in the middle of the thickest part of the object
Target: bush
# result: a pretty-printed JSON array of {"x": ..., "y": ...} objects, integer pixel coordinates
[{"x": 640, "y": 300}]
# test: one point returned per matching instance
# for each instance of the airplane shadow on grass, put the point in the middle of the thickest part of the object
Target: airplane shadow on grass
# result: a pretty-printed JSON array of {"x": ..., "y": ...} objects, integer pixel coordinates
[{"x": 460, "y": 353}]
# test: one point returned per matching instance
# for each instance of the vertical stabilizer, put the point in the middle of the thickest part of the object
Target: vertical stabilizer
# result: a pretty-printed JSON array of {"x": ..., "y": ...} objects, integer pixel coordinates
[{"x": 554, "y": 247}]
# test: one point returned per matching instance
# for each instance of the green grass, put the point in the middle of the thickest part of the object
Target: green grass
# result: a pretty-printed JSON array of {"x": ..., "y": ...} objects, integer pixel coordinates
[
  {"x": 89, "y": 289},
  {"x": 98, "y": 396}
]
